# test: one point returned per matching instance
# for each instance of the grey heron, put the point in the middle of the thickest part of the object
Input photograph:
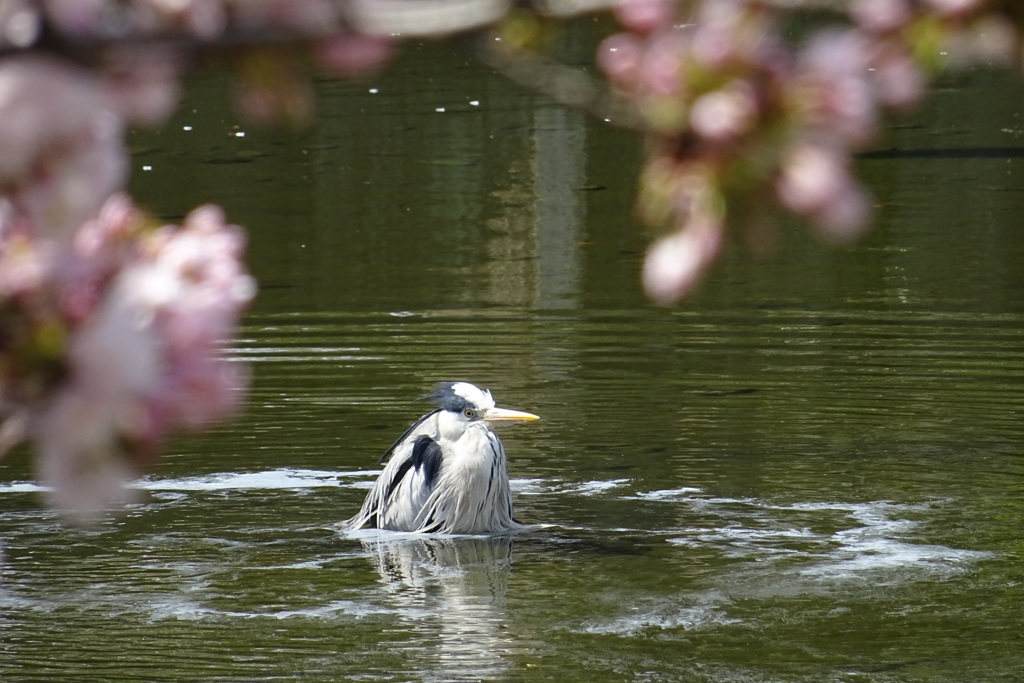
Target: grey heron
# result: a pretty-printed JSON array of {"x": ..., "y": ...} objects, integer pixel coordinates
[{"x": 447, "y": 472}]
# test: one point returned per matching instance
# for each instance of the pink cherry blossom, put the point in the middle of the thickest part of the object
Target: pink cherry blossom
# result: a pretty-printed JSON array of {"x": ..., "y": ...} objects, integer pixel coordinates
[
  {"x": 954, "y": 8},
  {"x": 811, "y": 177},
  {"x": 882, "y": 16},
  {"x": 63, "y": 148},
  {"x": 899, "y": 81},
  {"x": 77, "y": 456},
  {"x": 645, "y": 16},
  {"x": 834, "y": 87},
  {"x": 25, "y": 264},
  {"x": 143, "y": 83},
  {"x": 354, "y": 54},
  {"x": 661, "y": 71},
  {"x": 202, "y": 18},
  {"x": 139, "y": 318},
  {"x": 676, "y": 264},
  {"x": 816, "y": 181},
  {"x": 620, "y": 57},
  {"x": 725, "y": 114},
  {"x": 313, "y": 17},
  {"x": 78, "y": 17}
]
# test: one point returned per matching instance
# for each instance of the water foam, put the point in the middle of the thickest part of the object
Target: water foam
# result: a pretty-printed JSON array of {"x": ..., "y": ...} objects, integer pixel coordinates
[
  {"x": 282, "y": 478},
  {"x": 870, "y": 540}
]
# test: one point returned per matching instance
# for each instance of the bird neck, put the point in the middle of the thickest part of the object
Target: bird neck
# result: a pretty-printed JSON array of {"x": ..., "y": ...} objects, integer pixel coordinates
[{"x": 452, "y": 427}]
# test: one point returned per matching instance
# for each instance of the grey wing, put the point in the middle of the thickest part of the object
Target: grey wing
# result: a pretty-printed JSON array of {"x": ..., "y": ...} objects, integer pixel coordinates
[
  {"x": 399, "y": 492},
  {"x": 474, "y": 501},
  {"x": 418, "y": 427}
]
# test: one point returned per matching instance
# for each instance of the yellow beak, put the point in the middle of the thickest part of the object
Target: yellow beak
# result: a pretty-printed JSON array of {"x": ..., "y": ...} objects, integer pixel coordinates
[{"x": 505, "y": 415}]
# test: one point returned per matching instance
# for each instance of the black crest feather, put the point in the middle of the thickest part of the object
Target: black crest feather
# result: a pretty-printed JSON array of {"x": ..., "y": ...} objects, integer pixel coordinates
[{"x": 445, "y": 398}]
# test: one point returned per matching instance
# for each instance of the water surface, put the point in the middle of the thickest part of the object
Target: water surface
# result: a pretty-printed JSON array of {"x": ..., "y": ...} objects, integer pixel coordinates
[{"x": 809, "y": 471}]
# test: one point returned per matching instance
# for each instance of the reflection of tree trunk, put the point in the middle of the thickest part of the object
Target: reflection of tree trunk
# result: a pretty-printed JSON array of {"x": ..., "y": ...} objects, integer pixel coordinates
[
  {"x": 560, "y": 160},
  {"x": 533, "y": 248},
  {"x": 511, "y": 262},
  {"x": 460, "y": 582}
]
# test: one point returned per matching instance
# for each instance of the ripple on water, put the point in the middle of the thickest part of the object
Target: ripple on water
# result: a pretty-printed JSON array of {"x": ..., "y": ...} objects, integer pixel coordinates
[
  {"x": 764, "y": 550},
  {"x": 768, "y": 551},
  {"x": 707, "y": 611},
  {"x": 824, "y": 541},
  {"x": 829, "y": 542}
]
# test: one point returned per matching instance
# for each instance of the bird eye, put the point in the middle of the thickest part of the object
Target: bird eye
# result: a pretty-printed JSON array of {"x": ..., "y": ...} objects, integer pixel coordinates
[{"x": 468, "y": 412}]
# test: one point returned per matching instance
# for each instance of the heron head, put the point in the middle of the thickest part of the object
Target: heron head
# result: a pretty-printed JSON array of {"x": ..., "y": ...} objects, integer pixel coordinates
[{"x": 467, "y": 404}]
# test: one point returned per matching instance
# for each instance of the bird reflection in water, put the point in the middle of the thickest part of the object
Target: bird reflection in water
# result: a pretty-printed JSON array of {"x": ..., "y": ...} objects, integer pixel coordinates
[
  {"x": 446, "y": 477},
  {"x": 458, "y": 585}
]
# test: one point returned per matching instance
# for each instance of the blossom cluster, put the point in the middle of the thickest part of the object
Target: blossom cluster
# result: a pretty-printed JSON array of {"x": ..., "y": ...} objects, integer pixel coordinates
[
  {"x": 741, "y": 121},
  {"x": 112, "y": 337},
  {"x": 143, "y": 46},
  {"x": 112, "y": 331}
]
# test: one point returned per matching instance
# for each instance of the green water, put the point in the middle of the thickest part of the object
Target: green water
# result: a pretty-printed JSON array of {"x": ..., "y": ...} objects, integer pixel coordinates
[{"x": 810, "y": 471}]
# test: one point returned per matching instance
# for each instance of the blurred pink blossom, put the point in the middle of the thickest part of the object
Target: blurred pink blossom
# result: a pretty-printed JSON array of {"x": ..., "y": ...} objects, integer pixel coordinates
[
  {"x": 205, "y": 19},
  {"x": 115, "y": 362},
  {"x": 716, "y": 31},
  {"x": 78, "y": 17},
  {"x": 675, "y": 264},
  {"x": 898, "y": 79},
  {"x": 816, "y": 181},
  {"x": 620, "y": 56},
  {"x": 661, "y": 71},
  {"x": 991, "y": 38},
  {"x": 834, "y": 89},
  {"x": 148, "y": 314},
  {"x": 193, "y": 287},
  {"x": 882, "y": 16},
  {"x": 846, "y": 218},
  {"x": 955, "y": 8},
  {"x": 143, "y": 83},
  {"x": 77, "y": 457},
  {"x": 645, "y": 16},
  {"x": 735, "y": 33},
  {"x": 63, "y": 148},
  {"x": 313, "y": 17},
  {"x": 25, "y": 265},
  {"x": 202, "y": 18},
  {"x": 354, "y": 54},
  {"x": 725, "y": 114},
  {"x": 20, "y": 24}
]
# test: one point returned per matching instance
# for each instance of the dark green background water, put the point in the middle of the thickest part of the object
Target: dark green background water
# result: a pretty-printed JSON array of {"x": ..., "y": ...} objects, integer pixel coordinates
[{"x": 811, "y": 470}]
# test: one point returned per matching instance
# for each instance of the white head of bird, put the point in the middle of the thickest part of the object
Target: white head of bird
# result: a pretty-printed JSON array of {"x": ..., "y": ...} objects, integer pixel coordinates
[
  {"x": 447, "y": 473},
  {"x": 463, "y": 406}
]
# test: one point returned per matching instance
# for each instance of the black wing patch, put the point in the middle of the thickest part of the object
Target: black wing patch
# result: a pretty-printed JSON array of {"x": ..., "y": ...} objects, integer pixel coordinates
[
  {"x": 427, "y": 457},
  {"x": 407, "y": 432},
  {"x": 403, "y": 469}
]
